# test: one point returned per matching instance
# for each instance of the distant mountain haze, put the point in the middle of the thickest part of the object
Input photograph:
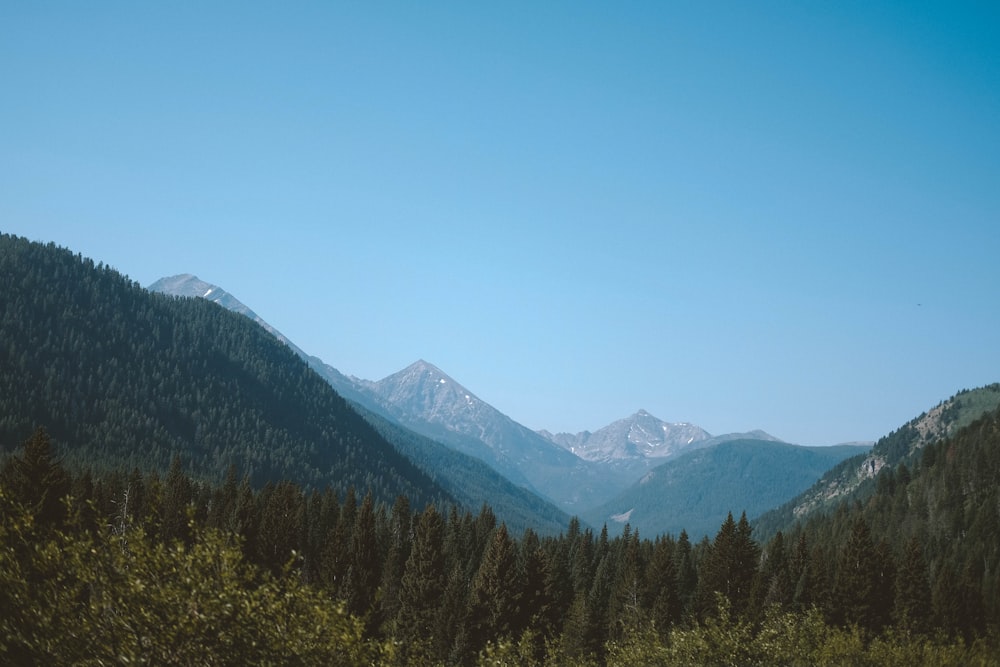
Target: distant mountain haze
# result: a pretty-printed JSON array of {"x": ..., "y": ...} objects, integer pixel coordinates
[
  {"x": 465, "y": 478},
  {"x": 695, "y": 490},
  {"x": 588, "y": 473}
]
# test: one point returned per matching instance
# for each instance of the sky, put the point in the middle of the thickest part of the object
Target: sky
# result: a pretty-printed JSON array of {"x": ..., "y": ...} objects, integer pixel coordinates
[{"x": 772, "y": 215}]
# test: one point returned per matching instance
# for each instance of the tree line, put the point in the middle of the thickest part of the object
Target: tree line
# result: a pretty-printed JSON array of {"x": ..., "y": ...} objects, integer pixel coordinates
[{"x": 126, "y": 565}]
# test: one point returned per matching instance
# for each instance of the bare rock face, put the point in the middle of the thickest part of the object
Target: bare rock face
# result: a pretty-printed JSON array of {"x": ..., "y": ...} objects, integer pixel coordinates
[{"x": 640, "y": 436}]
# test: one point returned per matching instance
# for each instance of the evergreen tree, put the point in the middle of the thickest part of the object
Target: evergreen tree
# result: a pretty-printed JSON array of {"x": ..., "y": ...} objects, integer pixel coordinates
[
  {"x": 913, "y": 593},
  {"x": 37, "y": 479},
  {"x": 494, "y": 594},
  {"x": 395, "y": 561},
  {"x": 178, "y": 493},
  {"x": 857, "y": 583},
  {"x": 625, "y": 602},
  {"x": 661, "y": 587},
  {"x": 365, "y": 567},
  {"x": 278, "y": 529},
  {"x": 686, "y": 575},
  {"x": 421, "y": 588},
  {"x": 730, "y": 567}
]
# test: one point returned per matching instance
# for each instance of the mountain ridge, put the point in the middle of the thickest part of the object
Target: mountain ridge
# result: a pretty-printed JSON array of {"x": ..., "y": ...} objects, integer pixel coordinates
[
  {"x": 854, "y": 478},
  {"x": 696, "y": 489},
  {"x": 106, "y": 365},
  {"x": 638, "y": 436},
  {"x": 460, "y": 477}
]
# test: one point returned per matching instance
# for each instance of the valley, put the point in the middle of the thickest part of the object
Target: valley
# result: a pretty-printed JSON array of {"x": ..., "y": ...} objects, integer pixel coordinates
[{"x": 153, "y": 439}]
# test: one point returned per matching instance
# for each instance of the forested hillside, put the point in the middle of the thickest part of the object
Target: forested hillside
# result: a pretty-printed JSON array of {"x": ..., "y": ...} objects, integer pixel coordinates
[
  {"x": 117, "y": 566},
  {"x": 694, "y": 491},
  {"x": 939, "y": 516},
  {"x": 854, "y": 479},
  {"x": 123, "y": 377}
]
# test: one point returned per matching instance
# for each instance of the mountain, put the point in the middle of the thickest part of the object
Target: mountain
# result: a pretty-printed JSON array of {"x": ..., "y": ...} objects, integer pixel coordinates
[
  {"x": 855, "y": 478},
  {"x": 467, "y": 478},
  {"x": 124, "y": 377},
  {"x": 423, "y": 398},
  {"x": 188, "y": 285},
  {"x": 472, "y": 482},
  {"x": 640, "y": 436},
  {"x": 696, "y": 490}
]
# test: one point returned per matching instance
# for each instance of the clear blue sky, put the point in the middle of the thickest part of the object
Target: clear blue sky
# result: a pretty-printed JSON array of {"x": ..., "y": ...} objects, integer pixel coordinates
[{"x": 743, "y": 215}]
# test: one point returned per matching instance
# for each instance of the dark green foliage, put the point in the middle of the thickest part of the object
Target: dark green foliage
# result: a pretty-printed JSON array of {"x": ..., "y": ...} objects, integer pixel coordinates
[
  {"x": 913, "y": 593},
  {"x": 729, "y": 568},
  {"x": 421, "y": 589},
  {"x": 37, "y": 480},
  {"x": 457, "y": 591},
  {"x": 495, "y": 593},
  {"x": 125, "y": 378},
  {"x": 102, "y": 559}
]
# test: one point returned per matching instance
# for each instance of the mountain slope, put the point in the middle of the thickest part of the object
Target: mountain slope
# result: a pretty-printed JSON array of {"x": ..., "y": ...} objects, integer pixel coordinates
[
  {"x": 423, "y": 398},
  {"x": 854, "y": 478},
  {"x": 696, "y": 490},
  {"x": 467, "y": 478},
  {"x": 937, "y": 513},
  {"x": 121, "y": 376}
]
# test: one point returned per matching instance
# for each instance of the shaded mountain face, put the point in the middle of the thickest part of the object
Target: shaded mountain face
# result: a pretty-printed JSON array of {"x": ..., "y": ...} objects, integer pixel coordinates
[
  {"x": 574, "y": 471},
  {"x": 696, "y": 490},
  {"x": 125, "y": 378},
  {"x": 464, "y": 476},
  {"x": 424, "y": 398},
  {"x": 640, "y": 436}
]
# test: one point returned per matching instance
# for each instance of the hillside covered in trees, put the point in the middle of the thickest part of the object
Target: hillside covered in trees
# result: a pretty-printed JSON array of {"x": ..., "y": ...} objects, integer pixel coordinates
[
  {"x": 199, "y": 496},
  {"x": 123, "y": 377},
  {"x": 175, "y": 571}
]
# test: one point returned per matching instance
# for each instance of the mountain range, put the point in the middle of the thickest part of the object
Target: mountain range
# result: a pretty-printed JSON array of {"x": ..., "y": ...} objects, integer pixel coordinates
[
  {"x": 105, "y": 363},
  {"x": 589, "y": 474}
]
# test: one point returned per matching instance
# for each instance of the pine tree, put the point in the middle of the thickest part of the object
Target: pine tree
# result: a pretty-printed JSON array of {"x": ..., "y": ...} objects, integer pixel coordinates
[
  {"x": 178, "y": 494},
  {"x": 38, "y": 480},
  {"x": 686, "y": 575},
  {"x": 399, "y": 550},
  {"x": 661, "y": 587},
  {"x": 365, "y": 567},
  {"x": 421, "y": 589},
  {"x": 730, "y": 568},
  {"x": 625, "y": 603},
  {"x": 856, "y": 582},
  {"x": 913, "y": 593},
  {"x": 494, "y": 593}
]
